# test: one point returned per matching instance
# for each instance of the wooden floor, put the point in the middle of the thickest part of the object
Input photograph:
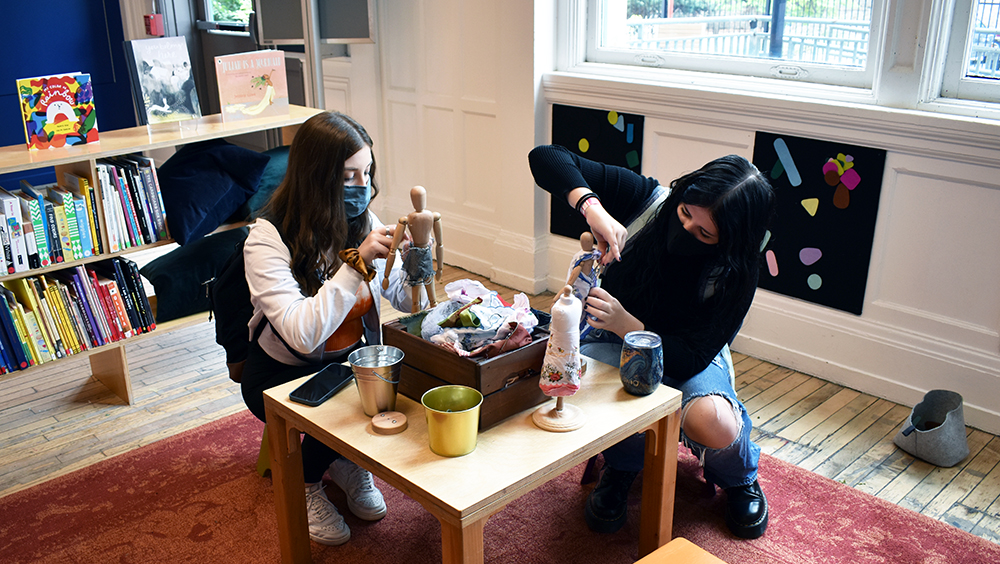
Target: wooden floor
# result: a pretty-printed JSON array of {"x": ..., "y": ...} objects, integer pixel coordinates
[{"x": 56, "y": 418}]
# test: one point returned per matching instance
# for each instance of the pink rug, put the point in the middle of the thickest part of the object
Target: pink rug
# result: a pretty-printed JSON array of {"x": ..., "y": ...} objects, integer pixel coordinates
[{"x": 195, "y": 497}]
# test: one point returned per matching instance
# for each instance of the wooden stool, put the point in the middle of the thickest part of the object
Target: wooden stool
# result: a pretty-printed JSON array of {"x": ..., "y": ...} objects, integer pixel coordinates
[
  {"x": 679, "y": 551},
  {"x": 264, "y": 456}
]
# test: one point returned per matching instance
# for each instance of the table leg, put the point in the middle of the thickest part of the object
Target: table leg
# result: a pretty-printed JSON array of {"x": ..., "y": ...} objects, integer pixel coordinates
[
  {"x": 658, "y": 483},
  {"x": 289, "y": 490},
  {"x": 462, "y": 545}
]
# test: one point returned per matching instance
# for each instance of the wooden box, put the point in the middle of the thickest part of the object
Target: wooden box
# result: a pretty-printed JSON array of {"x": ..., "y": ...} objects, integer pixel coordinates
[{"x": 508, "y": 382}]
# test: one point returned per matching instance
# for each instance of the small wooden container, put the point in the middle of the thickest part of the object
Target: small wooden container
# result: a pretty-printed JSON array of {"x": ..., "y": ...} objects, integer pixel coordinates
[{"x": 508, "y": 382}]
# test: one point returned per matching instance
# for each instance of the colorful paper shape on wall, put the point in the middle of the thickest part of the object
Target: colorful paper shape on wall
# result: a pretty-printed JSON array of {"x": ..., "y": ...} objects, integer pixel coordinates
[
  {"x": 820, "y": 242},
  {"x": 605, "y": 136}
]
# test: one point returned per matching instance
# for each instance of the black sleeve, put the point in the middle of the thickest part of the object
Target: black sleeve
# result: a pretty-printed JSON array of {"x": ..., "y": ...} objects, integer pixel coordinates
[{"x": 557, "y": 171}]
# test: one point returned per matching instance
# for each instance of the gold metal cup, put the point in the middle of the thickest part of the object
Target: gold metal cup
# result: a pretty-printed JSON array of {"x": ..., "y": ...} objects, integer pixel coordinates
[{"x": 452, "y": 414}]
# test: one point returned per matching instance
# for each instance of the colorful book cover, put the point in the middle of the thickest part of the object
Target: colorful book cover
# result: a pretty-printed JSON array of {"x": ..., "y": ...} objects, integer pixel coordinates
[
  {"x": 58, "y": 110},
  {"x": 96, "y": 309},
  {"x": 162, "y": 80},
  {"x": 148, "y": 169},
  {"x": 27, "y": 340},
  {"x": 252, "y": 84}
]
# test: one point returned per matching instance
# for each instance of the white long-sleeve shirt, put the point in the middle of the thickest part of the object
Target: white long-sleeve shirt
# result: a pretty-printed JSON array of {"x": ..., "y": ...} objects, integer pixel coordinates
[{"x": 307, "y": 322}]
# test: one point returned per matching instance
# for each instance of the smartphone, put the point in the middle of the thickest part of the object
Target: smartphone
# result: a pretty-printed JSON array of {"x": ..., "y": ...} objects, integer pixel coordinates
[{"x": 322, "y": 385}]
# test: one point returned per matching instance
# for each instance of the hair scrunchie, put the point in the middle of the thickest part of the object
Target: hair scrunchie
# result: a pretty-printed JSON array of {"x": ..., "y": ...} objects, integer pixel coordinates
[{"x": 353, "y": 258}]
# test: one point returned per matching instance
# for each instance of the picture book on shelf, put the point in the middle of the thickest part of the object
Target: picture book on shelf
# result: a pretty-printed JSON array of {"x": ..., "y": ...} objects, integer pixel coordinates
[
  {"x": 252, "y": 84},
  {"x": 162, "y": 80},
  {"x": 58, "y": 110}
]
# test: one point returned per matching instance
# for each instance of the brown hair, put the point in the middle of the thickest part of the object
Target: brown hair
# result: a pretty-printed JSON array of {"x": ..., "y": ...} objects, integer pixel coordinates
[{"x": 308, "y": 205}]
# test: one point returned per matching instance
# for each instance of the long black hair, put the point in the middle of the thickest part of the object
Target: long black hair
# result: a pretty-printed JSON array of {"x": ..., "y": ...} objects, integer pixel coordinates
[
  {"x": 741, "y": 202},
  {"x": 308, "y": 205}
]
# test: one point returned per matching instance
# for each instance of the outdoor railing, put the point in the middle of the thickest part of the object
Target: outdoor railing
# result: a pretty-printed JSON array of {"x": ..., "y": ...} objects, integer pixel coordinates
[{"x": 817, "y": 40}]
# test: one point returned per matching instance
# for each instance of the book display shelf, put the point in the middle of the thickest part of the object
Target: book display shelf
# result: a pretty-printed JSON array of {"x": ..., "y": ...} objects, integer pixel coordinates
[{"x": 108, "y": 362}]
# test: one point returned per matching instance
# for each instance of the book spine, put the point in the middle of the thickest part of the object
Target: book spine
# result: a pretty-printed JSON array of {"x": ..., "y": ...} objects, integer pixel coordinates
[
  {"x": 114, "y": 324},
  {"x": 29, "y": 242},
  {"x": 83, "y": 225},
  {"x": 63, "y": 228},
  {"x": 18, "y": 248},
  {"x": 119, "y": 303},
  {"x": 36, "y": 216},
  {"x": 55, "y": 242},
  {"x": 13, "y": 343},
  {"x": 62, "y": 317},
  {"x": 8, "y": 256},
  {"x": 128, "y": 297},
  {"x": 153, "y": 197},
  {"x": 89, "y": 319},
  {"x": 75, "y": 317},
  {"x": 45, "y": 316},
  {"x": 72, "y": 226},
  {"x": 138, "y": 203},
  {"x": 95, "y": 220},
  {"x": 110, "y": 220},
  {"x": 144, "y": 306},
  {"x": 95, "y": 303},
  {"x": 135, "y": 238},
  {"x": 35, "y": 330},
  {"x": 27, "y": 340}
]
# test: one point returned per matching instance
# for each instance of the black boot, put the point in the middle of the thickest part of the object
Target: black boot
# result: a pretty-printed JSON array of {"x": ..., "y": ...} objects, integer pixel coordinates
[
  {"x": 608, "y": 503},
  {"x": 746, "y": 511}
]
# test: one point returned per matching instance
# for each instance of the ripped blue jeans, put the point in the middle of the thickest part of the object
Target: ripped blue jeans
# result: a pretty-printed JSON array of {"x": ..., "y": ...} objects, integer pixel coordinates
[{"x": 734, "y": 465}]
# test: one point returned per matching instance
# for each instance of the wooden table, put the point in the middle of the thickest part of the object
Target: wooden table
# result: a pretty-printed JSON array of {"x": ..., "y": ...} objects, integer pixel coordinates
[{"x": 511, "y": 459}]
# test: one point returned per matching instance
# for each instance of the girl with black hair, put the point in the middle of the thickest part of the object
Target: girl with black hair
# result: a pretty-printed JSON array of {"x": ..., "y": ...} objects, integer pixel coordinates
[
  {"x": 688, "y": 275},
  {"x": 311, "y": 258}
]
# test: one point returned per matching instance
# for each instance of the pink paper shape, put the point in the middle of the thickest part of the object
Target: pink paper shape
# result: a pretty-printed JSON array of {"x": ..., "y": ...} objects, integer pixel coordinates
[
  {"x": 829, "y": 166},
  {"x": 850, "y": 178}
]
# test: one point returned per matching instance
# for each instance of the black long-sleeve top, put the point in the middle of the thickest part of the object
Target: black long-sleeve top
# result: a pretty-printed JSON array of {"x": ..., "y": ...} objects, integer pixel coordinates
[{"x": 690, "y": 320}]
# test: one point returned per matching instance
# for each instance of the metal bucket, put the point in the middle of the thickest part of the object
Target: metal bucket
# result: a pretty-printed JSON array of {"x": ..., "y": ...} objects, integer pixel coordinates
[
  {"x": 376, "y": 371},
  {"x": 452, "y": 419}
]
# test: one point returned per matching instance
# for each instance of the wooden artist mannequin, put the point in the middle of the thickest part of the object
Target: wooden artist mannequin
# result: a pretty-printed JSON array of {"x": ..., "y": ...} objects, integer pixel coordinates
[{"x": 423, "y": 226}]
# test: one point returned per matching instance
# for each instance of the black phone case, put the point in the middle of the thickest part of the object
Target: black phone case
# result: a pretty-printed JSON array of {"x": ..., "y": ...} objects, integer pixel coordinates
[{"x": 322, "y": 385}]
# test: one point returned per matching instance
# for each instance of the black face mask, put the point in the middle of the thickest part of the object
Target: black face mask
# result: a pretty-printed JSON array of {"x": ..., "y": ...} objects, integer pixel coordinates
[{"x": 681, "y": 242}]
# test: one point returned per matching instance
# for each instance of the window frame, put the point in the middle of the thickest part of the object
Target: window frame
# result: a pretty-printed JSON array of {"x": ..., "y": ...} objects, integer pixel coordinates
[
  {"x": 784, "y": 70},
  {"x": 908, "y": 65}
]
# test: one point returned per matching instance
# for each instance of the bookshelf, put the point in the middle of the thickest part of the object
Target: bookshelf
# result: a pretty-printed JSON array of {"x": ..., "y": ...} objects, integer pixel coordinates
[{"x": 108, "y": 363}]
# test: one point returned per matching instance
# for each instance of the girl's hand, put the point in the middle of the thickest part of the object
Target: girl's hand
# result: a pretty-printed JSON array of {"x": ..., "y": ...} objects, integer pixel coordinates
[
  {"x": 376, "y": 244},
  {"x": 609, "y": 234},
  {"x": 606, "y": 312}
]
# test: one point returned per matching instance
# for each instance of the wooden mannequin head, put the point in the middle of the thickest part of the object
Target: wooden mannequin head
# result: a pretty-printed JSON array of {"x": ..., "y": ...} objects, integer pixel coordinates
[{"x": 418, "y": 197}]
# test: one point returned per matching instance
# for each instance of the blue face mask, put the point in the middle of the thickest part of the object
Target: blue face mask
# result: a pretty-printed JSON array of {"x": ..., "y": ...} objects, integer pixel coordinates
[{"x": 356, "y": 199}]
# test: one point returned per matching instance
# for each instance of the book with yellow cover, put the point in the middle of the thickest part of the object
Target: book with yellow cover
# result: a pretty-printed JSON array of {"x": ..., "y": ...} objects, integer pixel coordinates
[
  {"x": 62, "y": 316},
  {"x": 58, "y": 110},
  {"x": 25, "y": 295},
  {"x": 48, "y": 317}
]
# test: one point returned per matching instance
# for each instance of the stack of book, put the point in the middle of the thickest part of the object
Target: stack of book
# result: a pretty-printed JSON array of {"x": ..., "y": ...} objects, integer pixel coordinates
[
  {"x": 50, "y": 224},
  {"x": 133, "y": 203},
  {"x": 69, "y": 311}
]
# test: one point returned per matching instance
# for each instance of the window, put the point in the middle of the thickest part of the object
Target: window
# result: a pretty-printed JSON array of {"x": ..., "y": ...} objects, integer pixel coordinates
[
  {"x": 972, "y": 67},
  {"x": 935, "y": 55},
  {"x": 228, "y": 11},
  {"x": 826, "y": 41}
]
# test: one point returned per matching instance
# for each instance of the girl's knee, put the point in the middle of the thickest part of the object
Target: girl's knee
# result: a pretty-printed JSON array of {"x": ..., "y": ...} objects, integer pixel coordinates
[{"x": 711, "y": 421}]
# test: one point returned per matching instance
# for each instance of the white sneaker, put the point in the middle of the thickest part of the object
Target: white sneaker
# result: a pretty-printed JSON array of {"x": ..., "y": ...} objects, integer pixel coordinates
[
  {"x": 363, "y": 498},
  {"x": 326, "y": 525}
]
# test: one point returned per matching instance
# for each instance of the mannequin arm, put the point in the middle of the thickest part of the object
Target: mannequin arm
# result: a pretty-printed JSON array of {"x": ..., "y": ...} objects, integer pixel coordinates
[
  {"x": 439, "y": 248},
  {"x": 397, "y": 237}
]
